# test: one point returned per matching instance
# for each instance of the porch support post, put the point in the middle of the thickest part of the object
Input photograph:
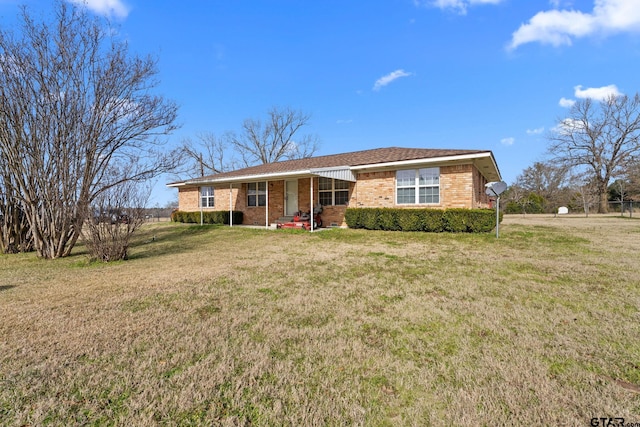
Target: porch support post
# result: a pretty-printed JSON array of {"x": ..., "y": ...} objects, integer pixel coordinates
[
  {"x": 266, "y": 208},
  {"x": 201, "y": 208},
  {"x": 230, "y": 205},
  {"x": 311, "y": 203}
]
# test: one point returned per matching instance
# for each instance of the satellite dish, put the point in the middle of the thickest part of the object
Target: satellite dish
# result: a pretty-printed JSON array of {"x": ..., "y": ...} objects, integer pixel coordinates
[{"x": 495, "y": 188}]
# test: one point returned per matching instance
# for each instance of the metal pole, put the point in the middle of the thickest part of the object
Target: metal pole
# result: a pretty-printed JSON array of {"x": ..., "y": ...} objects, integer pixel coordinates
[
  {"x": 311, "y": 204},
  {"x": 266, "y": 207},
  {"x": 498, "y": 217},
  {"x": 201, "y": 213},
  {"x": 230, "y": 205}
]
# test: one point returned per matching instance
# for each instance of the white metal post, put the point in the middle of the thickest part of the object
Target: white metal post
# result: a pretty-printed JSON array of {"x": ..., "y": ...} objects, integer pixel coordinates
[
  {"x": 311, "y": 204},
  {"x": 230, "y": 205},
  {"x": 266, "y": 207},
  {"x": 498, "y": 217},
  {"x": 201, "y": 213}
]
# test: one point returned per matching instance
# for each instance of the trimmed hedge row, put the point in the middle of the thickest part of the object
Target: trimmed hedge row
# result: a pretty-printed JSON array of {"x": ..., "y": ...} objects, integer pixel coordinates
[
  {"x": 430, "y": 220},
  {"x": 211, "y": 217}
]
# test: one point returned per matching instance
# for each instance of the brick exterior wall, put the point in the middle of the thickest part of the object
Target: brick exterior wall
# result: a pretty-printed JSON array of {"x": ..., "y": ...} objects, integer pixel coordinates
[
  {"x": 461, "y": 186},
  {"x": 188, "y": 199},
  {"x": 374, "y": 190},
  {"x": 456, "y": 186}
]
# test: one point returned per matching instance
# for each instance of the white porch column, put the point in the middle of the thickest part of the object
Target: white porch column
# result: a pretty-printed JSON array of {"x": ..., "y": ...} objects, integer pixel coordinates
[
  {"x": 311, "y": 204},
  {"x": 230, "y": 205},
  {"x": 266, "y": 205}
]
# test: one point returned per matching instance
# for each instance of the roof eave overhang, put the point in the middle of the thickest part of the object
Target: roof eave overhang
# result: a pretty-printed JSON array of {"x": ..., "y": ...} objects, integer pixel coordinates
[
  {"x": 420, "y": 161},
  {"x": 176, "y": 184},
  {"x": 484, "y": 161},
  {"x": 247, "y": 178}
]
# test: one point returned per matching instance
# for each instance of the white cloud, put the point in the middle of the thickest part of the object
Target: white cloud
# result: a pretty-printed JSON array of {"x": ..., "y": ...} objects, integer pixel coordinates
[
  {"x": 458, "y": 5},
  {"x": 536, "y": 131},
  {"x": 385, "y": 80},
  {"x": 598, "y": 93},
  {"x": 566, "y": 103},
  {"x": 508, "y": 141},
  {"x": 568, "y": 126},
  {"x": 560, "y": 27},
  {"x": 105, "y": 7}
]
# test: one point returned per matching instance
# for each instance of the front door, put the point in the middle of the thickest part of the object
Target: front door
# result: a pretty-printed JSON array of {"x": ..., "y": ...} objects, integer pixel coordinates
[{"x": 291, "y": 197}]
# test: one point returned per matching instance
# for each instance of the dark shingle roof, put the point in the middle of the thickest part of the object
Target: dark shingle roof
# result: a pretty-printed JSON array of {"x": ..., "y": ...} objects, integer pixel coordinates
[{"x": 356, "y": 158}]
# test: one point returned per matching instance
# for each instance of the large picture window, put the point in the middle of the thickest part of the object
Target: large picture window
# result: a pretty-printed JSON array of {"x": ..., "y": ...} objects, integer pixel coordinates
[
  {"x": 332, "y": 192},
  {"x": 207, "y": 198},
  {"x": 418, "y": 186},
  {"x": 257, "y": 194}
]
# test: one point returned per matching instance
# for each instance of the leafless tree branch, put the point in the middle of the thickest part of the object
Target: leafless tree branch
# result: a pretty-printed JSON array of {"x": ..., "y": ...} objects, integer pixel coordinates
[
  {"x": 598, "y": 137},
  {"x": 73, "y": 102}
]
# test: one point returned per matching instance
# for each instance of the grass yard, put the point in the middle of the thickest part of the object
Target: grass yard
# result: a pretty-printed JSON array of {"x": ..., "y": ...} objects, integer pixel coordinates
[{"x": 219, "y": 326}]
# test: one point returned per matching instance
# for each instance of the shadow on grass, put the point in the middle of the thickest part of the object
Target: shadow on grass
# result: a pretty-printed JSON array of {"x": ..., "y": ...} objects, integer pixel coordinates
[
  {"x": 170, "y": 239},
  {"x": 6, "y": 287}
]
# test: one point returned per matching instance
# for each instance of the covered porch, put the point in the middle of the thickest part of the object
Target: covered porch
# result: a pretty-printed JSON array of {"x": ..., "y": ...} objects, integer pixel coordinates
[{"x": 266, "y": 202}]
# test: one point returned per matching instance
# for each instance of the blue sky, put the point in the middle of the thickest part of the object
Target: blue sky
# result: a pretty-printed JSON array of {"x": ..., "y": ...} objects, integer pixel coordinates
[{"x": 468, "y": 74}]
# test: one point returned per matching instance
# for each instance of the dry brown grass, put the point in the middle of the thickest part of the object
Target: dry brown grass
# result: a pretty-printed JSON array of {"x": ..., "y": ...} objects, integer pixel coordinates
[{"x": 219, "y": 326}]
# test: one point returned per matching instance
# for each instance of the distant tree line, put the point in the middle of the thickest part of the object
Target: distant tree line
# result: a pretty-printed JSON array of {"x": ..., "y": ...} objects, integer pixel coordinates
[{"x": 593, "y": 159}]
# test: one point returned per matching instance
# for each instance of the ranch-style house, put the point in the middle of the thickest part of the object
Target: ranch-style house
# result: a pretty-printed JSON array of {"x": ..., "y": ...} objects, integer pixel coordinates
[{"x": 383, "y": 177}]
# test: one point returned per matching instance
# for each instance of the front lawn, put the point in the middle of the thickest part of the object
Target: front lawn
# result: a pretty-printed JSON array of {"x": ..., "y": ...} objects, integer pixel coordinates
[{"x": 217, "y": 326}]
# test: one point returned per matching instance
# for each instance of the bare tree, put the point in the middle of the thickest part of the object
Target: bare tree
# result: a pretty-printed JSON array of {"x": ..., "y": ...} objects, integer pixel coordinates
[
  {"x": 632, "y": 177},
  {"x": 208, "y": 155},
  {"x": 547, "y": 180},
  {"x": 15, "y": 233},
  {"x": 278, "y": 138},
  {"x": 73, "y": 103},
  {"x": 116, "y": 214},
  {"x": 599, "y": 137},
  {"x": 587, "y": 189},
  {"x": 515, "y": 199}
]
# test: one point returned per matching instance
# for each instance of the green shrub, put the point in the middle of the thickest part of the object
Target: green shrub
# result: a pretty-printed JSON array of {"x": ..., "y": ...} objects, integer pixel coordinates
[
  {"x": 210, "y": 217},
  {"x": 531, "y": 204},
  {"x": 369, "y": 219},
  {"x": 388, "y": 219},
  {"x": 431, "y": 220},
  {"x": 481, "y": 222},
  {"x": 353, "y": 218},
  {"x": 410, "y": 220},
  {"x": 455, "y": 220}
]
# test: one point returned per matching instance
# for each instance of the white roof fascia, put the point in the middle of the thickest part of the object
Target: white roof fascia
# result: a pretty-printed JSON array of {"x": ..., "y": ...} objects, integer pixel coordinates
[
  {"x": 252, "y": 178},
  {"x": 176, "y": 184},
  {"x": 495, "y": 165},
  {"x": 423, "y": 161}
]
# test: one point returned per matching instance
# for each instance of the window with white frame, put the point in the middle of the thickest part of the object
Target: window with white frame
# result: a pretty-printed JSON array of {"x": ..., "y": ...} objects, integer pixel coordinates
[
  {"x": 206, "y": 197},
  {"x": 332, "y": 192},
  {"x": 257, "y": 194},
  {"x": 418, "y": 186}
]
